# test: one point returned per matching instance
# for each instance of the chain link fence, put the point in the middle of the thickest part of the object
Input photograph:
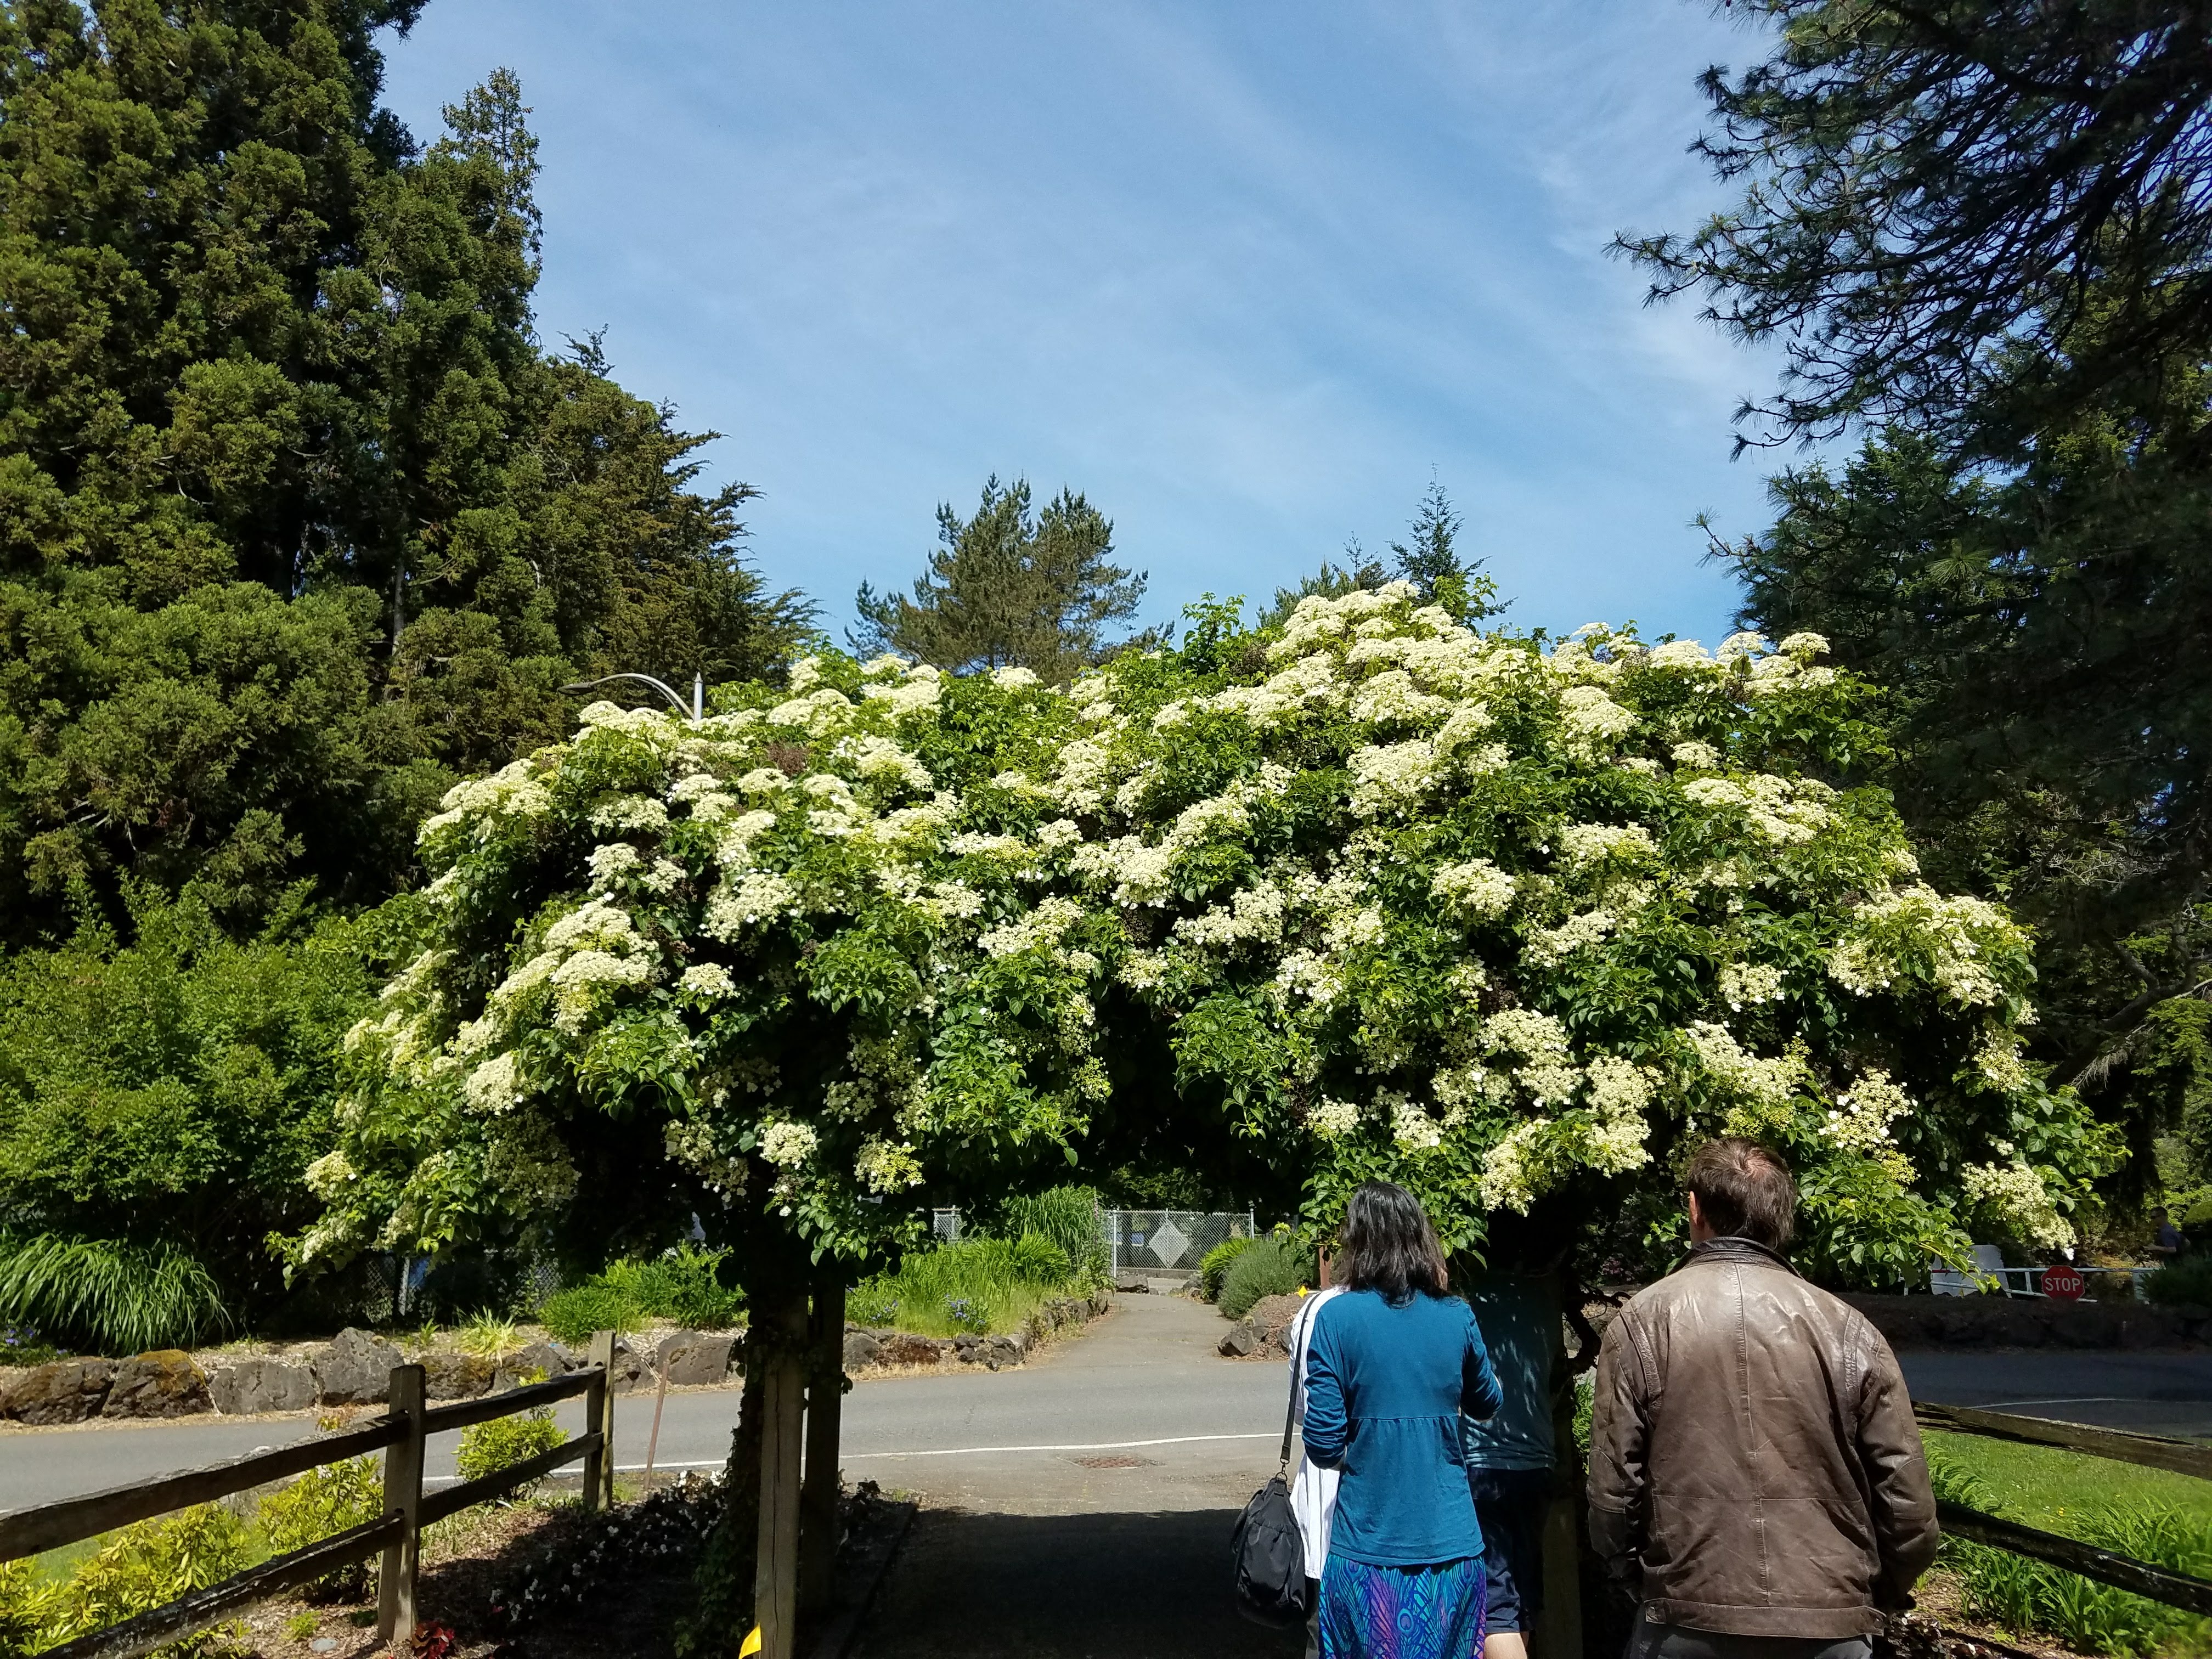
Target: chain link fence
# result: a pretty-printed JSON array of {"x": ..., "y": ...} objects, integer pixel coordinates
[{"x": 1170, "y": 1244}]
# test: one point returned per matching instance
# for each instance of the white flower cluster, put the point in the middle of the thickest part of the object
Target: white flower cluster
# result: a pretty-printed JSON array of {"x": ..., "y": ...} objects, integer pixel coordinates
[
  {"x": 1758, "y": 1082},
  {"x": 1477, "y": 889},
  {"x": 1860, "y": 1118},
  {"x": 788, "y": 1144},
  {"x": 1550, "y": 946},
  {"x": 2017, "y": 1195},
  {"x": 1785, "y": 811},
  {"x": 1585, "y": 844},
  {"x": 1917, "y": 928},
  {"x": 1750, "y": 981}
]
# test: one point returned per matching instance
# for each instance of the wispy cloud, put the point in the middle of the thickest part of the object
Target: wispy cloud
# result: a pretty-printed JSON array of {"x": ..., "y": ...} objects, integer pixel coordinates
[{"x": 1245, "y": 274}]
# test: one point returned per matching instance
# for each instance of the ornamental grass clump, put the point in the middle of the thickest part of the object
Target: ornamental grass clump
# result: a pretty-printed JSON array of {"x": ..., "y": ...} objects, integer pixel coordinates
[
  {"x": 974, "y": 1286},
  {"x": 1216, "y": 1263}
]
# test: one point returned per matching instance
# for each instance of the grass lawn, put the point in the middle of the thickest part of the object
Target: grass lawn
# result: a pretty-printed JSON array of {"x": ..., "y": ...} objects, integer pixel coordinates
[{"x": 2042, "y": 1486}]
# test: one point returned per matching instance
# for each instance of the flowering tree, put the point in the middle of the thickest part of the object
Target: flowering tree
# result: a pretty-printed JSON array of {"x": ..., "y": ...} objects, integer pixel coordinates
[{"x": 1401, "y": 900}]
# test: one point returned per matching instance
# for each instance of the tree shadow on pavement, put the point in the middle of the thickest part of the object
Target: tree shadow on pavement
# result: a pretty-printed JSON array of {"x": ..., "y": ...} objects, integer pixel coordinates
[{"x": 1111, "y": 1586}]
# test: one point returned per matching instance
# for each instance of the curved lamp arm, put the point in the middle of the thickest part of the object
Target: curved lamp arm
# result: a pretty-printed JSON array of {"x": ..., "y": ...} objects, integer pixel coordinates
[{"x": 695, "y": 711}]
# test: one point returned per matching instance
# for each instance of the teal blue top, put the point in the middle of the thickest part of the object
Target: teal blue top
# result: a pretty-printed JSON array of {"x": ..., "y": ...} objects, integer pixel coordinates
[
  {"x": 1385, "y": 1389},
  {"x": 1521, "y": 1327}
]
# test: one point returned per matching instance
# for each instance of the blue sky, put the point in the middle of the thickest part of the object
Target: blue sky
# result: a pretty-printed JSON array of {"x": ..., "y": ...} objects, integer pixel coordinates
[{"x": 1244, "y": 274}]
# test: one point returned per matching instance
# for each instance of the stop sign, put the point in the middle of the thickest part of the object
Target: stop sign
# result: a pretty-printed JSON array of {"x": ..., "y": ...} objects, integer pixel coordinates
[{"x": 2063, "y": 1282}]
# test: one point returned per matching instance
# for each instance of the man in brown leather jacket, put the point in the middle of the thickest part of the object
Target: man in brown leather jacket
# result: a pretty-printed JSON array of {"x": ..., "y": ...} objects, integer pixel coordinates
[{"x": 1755, "y": 1475}]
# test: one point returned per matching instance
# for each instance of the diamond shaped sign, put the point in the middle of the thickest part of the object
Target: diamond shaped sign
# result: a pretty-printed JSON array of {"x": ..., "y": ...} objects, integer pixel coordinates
[{"x": 1169, "y": 1244}]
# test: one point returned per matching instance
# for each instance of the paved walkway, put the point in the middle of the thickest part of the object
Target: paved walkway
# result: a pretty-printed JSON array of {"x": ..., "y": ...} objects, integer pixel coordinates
[{"x": 1074, "y": 1549}]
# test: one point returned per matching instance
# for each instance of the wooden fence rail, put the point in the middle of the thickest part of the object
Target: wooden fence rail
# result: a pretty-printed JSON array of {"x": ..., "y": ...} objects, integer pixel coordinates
[
  {"x": 396, "y": 1533},
  {"x": 2122, "y": 1572}
]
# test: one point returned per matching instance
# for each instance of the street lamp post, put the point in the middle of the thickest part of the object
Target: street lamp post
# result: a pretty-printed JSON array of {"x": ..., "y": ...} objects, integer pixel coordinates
[{"x": 695, "y": 711}]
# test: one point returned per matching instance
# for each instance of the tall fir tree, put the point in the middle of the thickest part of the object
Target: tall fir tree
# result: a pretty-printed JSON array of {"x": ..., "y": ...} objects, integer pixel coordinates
[
  {"x": 297, "y": 521},
  {"x": 1009, "y": 586}
]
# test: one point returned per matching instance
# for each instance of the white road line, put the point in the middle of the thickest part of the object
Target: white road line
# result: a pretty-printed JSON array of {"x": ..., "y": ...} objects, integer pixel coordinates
[
  {"x": 2078, "y": 1400},
  {"x": 1101, "y": 1445}
]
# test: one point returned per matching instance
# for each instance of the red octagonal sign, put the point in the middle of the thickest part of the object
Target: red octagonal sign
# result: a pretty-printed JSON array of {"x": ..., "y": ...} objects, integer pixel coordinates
[{"x": 2063, "y": 1282}]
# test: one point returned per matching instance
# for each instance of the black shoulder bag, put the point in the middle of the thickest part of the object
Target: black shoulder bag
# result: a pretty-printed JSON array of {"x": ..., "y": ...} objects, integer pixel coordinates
[{"x": 1269, "y": 1551}]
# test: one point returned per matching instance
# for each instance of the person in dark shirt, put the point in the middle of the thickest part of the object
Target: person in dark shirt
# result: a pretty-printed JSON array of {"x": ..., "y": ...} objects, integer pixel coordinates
[{"x": 2168, "y": 1243}]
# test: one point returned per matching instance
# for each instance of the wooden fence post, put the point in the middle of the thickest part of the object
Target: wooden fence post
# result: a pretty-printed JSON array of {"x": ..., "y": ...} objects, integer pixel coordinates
[
  {"x": 599, "y": 1415},
  {"x": 781, "y": 1326},
  {"x": 403, "y": 1491},
  {"x": 825, "y": 1403}
]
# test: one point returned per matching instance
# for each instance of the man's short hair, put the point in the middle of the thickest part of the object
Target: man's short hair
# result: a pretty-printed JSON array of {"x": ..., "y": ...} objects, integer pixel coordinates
[
  {"x": 2159, "y": 1210},
  {"x": 1744, "y": 1190}
]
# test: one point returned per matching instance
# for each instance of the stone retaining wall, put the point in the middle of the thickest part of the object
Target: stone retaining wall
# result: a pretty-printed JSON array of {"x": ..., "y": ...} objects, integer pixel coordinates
[
  {"x": 352, "y": 1370},
  {"x": 2000, "y": 1322},
  {"x": 355, "y": 1369},
  {"x": 868, "y": 1349}
]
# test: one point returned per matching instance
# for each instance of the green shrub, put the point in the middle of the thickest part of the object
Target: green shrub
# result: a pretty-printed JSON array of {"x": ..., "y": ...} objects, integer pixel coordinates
[
  {"x": 683, "y": 1284},
  {"x": 28, "y": 1606},
  {"x": 155, "y": 1562},
  {"x": 1214, "y": 1266},
  {"x": 575, "y": 1314},
  {"x": 2021, "y": 1594},
  {"x": 487, "y": 1447},
  {"x": 2188, "y": 1282},
  {"x": 1069, "y": 1216},
  {"x": 112, "y": 1297},
  {"x": 319, "y": 1503},
  {"x": 1272, "y": 1267},
  {"x": 487, "y": 1336},
  {"x": 977, "y": 1284}
]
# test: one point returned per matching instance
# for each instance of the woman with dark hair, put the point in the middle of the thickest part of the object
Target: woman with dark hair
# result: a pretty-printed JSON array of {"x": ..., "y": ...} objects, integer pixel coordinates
[{"x": 1392, "y": 1365}]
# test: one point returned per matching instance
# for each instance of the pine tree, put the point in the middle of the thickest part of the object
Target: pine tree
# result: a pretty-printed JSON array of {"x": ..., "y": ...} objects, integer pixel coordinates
[
  {"x": 1009, "y": 587},
  {"x": 296, "y": 520},
  {"x": 1434, "y": 567}
]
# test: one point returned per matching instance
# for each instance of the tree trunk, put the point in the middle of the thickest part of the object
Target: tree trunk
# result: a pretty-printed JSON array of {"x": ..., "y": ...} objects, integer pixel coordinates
[
  {"x": 826, "y": 1401},
  {"x": 779, "y": 1327}
]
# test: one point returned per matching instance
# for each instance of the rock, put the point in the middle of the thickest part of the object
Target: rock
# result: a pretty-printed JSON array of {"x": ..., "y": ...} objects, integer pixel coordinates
[
  {"x": 861, "y": 1349},
  {"x": 1002, "y": 1351},
  {"x": 355, "y": 1367},
  {"x": 904, "y": 1348},
  {"x": 162, "y": 1383},
  {"x": 1101, "y": 1304},
  {"x": 61, "y": 1391},
  {"x": 629, "y": 1371},
  {"x": 1240, "y": 1340},
  {"x": 524, "y": 1365},
  {"x": 455, "y": 1376},
  {"x": 1271, "y": 1317},
  {"x": 691, "y": 1358},
  {"x": 244, "y": 1388}
]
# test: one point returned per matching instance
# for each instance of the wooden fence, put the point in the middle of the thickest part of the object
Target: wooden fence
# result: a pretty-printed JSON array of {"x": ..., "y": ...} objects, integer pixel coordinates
[
  {"x": 409, "y": 1420},
  {"x": 2149, "y": 1451}
]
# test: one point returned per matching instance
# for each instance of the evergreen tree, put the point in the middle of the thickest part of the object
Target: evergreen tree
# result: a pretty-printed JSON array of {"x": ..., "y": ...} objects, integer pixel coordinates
[
  {"x": 296, "y": 520},
  {"x": 1985, "y": 226},
  {"x": 1009, "y": 587},
  {"x": 1431, "y": 562}
]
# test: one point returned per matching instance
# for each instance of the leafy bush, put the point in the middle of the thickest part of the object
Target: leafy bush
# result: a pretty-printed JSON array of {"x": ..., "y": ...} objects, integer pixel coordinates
[
  {"x": 487, "y": 1447},
  {"x": 1069, "y": 1216},
  {"x": 144, "y": 1566},
  {"x": 321, "y": 1501},
  {"x": 1862, "y": 1233},
  {"x": 1214, "y": 1266},
  {"x": 113, "y": 1298},
  {"x": 977, "y": 1284},
  {"x": 21, "y": 1346},
  {"x": 1272, "y": 1267},
  {"x": 28, "y": 1608},
  {"x": 487, "y": 1336},
  {"x": 575, "y": 1314},
  {"x": 683, "y": 1284},
  {"x": 2188, "y": 1282},
  {"x": 2090, "y": 1618},
  {"x": 173, "y": 1089}
]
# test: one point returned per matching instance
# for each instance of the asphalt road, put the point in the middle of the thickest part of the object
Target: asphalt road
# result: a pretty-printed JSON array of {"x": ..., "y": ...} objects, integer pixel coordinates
[{"x": 1140, "y": 1414}]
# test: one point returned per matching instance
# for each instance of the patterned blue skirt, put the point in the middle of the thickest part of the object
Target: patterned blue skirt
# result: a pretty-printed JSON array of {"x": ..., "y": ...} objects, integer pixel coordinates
[{"x": 1401, "y": 1613}]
